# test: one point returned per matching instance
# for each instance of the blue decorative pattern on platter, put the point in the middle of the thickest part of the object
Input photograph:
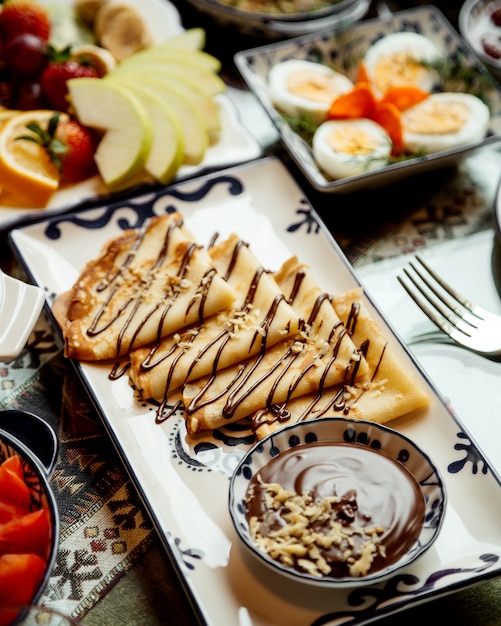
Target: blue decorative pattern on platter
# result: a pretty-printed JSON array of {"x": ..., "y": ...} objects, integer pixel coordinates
[
  {"x": 185, "y": 480},
  {"x": 343, "y": 51}
]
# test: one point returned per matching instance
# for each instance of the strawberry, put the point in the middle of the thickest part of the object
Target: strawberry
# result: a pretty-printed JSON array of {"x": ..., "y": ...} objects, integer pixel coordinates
[
  {"x": 70, "y": 146},
  {"x": 77, "y": 162},
  {"x": 61, "y": 68},
  {"x": 24, "y": 16}
]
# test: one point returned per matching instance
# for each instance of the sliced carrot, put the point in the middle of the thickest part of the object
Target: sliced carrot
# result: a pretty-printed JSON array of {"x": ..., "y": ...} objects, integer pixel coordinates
[
  {"x": 28, "y": 534},
  {"x": 363, "y": 74},
  {"x": 14, "y": 464},
  {"x": 13, "y": 488},
  {"x": 404, "y": 96},
  {"x": 20, "y": 575},
  {"x": 359, "y": 102},
  {"x": 388, "y": 116},
  {"x": 10, "y": 510}
]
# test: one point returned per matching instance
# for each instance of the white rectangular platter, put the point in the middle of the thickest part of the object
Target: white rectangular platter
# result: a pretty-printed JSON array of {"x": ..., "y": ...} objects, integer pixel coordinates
[{"x": 184, "y": 482}]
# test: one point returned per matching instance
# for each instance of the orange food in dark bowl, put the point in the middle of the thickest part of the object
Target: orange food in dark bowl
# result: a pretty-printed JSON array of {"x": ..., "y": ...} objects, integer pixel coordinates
[{"x": 29, "y": 521}]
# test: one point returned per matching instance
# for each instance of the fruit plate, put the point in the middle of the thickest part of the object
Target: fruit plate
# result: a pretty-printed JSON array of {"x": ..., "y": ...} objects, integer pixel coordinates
[
  {"x": 235, "y": 144},
  {"x": 185, "y": 481},
  {"x": 344, "y": 51}
]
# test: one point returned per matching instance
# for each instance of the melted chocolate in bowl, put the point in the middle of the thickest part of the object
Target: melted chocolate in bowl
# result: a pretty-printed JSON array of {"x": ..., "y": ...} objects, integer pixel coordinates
[{"x": 372, "y": 492}]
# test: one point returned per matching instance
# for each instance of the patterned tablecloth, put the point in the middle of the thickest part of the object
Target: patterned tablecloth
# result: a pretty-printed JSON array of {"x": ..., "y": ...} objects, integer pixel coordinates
[{"x": 104, "y": 527}]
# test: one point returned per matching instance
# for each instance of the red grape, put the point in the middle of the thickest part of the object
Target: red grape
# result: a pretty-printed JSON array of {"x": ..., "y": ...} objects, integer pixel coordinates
[
  {"x": 29, "y": 96},
  {"x": 496, "y": 17},
  {"x": 25, "y": 55}
]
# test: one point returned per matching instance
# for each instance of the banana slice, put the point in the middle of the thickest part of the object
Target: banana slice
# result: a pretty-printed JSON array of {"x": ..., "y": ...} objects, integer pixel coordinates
[
  {"x": 120, "y": 29},
  {"x": 98, "y": 57},
  {"x": 86, "y": 10}
]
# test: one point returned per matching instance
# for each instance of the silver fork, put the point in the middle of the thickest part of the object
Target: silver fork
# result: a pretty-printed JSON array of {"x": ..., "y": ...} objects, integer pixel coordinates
[{"x": 468, "y": 324}]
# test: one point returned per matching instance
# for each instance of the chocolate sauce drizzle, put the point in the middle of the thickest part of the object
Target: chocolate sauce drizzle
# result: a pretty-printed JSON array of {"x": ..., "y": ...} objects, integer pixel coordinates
[
  {"x": 129, "y": 307},
  {"x": 177, "y": 351},
  {"x": 237, "y": 390}
]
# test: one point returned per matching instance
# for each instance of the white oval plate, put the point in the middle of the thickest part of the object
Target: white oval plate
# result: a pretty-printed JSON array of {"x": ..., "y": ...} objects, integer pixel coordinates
[{"x": 235, "y": 144}]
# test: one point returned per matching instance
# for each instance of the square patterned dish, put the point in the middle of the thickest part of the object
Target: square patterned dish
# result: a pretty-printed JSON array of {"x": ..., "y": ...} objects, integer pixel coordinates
[
  {"x": 184, "y": 480},
  {"x": 343, "y": 51}
]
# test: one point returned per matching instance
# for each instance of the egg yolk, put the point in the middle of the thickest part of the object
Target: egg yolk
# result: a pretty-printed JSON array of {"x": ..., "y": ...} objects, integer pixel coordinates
[
  {"x": 398, "y": 69},
  {"x": 437, "y": 118},
  {"x": 352, "y": 141},
  {"x": 313, "y": 86}
]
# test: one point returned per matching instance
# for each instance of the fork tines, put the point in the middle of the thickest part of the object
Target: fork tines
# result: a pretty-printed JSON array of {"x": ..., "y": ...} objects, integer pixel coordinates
[
  {"x": 465, "y": 322},
  {"x": 450, "y": 310}
]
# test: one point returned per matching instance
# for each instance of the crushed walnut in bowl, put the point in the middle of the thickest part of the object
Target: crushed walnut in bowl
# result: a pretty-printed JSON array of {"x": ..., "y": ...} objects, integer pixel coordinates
[{"x": 336, "y": 502}]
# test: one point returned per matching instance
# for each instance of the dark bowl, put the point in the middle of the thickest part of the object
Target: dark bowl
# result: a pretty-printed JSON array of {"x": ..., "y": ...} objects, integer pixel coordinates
[{"x": 35, "y": 442}]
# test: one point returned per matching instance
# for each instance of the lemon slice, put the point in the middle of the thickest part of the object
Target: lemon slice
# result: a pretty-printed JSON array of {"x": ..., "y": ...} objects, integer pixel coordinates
[{"x": 25, "y": 167}]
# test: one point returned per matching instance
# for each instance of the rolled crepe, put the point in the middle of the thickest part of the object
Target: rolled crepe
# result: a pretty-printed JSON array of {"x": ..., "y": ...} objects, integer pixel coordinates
[
  {"x": 259, "y": 318},
  {"x": 389, "y": 390},
  {"x": 322, "y": 356},
  {"x": 145, "y": 284}
]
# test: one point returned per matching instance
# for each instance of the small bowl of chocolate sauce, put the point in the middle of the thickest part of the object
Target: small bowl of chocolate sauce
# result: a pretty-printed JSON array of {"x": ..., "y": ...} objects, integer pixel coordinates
[{"x": 336, "y": 502}]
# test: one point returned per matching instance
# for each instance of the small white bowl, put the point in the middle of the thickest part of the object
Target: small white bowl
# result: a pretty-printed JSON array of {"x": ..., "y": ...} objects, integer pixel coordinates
[
  {"x": 473, "y": 23},
  {"x": 20, "y": 306},
  {"x": 368, "y": 436}
]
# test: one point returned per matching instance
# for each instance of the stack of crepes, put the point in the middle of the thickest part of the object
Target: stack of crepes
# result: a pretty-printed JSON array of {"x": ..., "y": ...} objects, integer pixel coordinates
[{"x": 227, "y": 338}]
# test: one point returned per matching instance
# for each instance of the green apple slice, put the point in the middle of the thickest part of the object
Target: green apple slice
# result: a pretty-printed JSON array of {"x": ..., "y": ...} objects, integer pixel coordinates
[
  {"x": 194, "y": 133},
  {"x": 208, "y": 81},
  {"x": 167, "y": 151},
  {"x": 126, "y": 142},
  {"x": 162, "y": 52},
  {"x": 207, "y": 107},
  {"x": 192, "y": 38}
]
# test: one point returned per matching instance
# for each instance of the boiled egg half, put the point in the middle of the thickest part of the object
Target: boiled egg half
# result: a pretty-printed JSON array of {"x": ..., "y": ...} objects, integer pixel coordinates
[
  {"x": 298, "y": 86},
  {"x": 344, "y": 148},
  {"x": 401, "y": 59},
  {"x": 444, "y": 121}
]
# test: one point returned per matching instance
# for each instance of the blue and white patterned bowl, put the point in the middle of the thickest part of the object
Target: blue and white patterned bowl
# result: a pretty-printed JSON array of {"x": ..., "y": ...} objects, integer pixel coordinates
[
  {"x": 343, "y": 51},
  {"x": 335, "y": 431}
]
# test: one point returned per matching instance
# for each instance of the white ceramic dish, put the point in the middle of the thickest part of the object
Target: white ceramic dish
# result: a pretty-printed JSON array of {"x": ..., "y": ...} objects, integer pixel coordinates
[
  {"x": 20, "y": 306},
  {"x": 184, "y": 482},
  {"x": 364, "y": 435},
  {"x": 473, "y": 24},
  {"x": 235, "y": 144},
  {"x": 263, "y": 25},
  {"x": 344, "y": 52}
]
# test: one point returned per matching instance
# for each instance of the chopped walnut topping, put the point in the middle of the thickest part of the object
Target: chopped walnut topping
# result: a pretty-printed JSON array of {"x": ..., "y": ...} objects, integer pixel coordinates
[
  {"x": 297, "y": 346},
  {"x": 298, "y": 531}
]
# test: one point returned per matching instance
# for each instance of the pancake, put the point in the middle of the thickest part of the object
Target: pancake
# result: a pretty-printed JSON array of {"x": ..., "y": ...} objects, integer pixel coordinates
[
  {"x": 322, "y": 355},
  {"x": 146, "y": 283},
  {"x": 259, "y": 318},
  {"x": 389, "y": 390}
]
